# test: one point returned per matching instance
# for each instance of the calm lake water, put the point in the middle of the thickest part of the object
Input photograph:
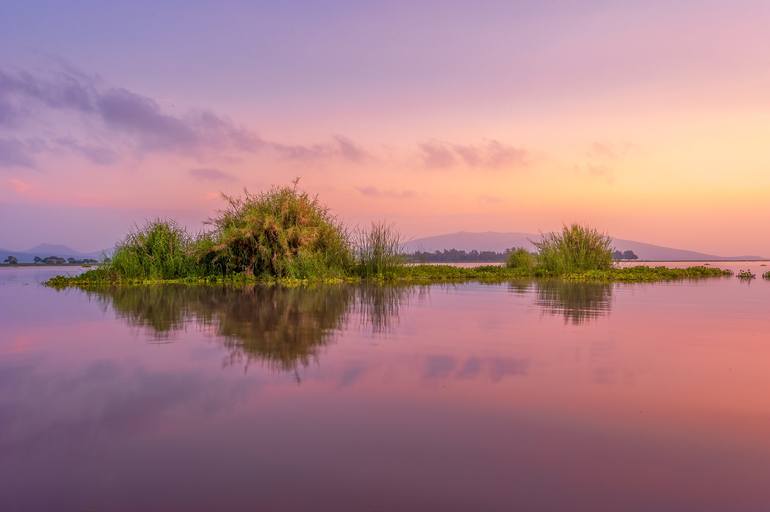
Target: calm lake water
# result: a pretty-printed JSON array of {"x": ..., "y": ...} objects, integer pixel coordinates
[{"x": 524, "y": 396}]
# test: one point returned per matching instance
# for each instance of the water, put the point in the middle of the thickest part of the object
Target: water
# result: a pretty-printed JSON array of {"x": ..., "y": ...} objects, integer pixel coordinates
[{"x": 522, "y": 396}]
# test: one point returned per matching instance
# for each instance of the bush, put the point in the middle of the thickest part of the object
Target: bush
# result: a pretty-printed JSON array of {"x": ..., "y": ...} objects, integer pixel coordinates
[
  {"x": 575, "y": 249},
  {"x": 278, "y": 233},
  {"x": 521, "y": 259},
  {"x": 378, "y": 251},
  {"x": 160, "y": 250}
]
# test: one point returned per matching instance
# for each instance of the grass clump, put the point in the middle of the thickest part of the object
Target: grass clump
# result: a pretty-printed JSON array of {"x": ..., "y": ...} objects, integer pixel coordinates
[
  {"x": 522, "y": 259},
  {"x": 575, "y": 249},
  {"x": 746, "y": 275},
  {"x": 378, "y": 251},
  {"x": 279, "y": 233},
  {"x": 766, "y": 275},
  {"x": 160, "y": 250}
]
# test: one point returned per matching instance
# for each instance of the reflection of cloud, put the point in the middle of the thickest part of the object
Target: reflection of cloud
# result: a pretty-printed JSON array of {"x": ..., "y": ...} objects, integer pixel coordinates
[
  {"x": 439, "y": 367},
  {"x": 494, "y": 368},
  {"x": 95, "y": 399}
]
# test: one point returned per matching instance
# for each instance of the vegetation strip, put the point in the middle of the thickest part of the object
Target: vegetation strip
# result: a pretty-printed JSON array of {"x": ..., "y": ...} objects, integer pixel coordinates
[{"x": 285, "y": 236}]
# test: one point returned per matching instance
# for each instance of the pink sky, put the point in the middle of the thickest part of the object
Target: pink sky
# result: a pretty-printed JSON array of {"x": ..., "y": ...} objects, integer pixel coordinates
[{"x": 645, "y": 120}]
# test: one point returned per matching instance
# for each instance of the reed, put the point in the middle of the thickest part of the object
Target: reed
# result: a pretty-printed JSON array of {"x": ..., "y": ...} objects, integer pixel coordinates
[
  {"x": 378, "y": 251},
  {"x": 575, "y": 249}
]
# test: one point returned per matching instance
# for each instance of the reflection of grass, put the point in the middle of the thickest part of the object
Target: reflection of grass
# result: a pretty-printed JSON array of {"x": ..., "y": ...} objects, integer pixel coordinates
[
  {"x": 577, "y": 302},
  {"x": 278, "y": 326}
]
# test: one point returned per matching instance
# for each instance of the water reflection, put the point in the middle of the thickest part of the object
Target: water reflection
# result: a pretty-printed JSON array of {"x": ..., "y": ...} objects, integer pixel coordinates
[
  {"x": 282, "y": 328},
  {"x": 576, "y": 302}
]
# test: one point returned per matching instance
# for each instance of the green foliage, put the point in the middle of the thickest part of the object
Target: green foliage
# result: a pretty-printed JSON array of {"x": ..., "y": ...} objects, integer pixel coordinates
[
  {"x": 746, "y": 274},
  {"x": 522, "y": 259},
  {"x": 280, "y": 233},
  {"x": 160, "y": 250},
  {"x": 378, "y": 251},
  {"x": 575, "y": 249},
  {"x": 766, "y": 275}
]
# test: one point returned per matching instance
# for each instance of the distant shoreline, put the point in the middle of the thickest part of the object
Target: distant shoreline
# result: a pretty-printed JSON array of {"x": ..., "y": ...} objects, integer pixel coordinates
[{"x": 47, "y": 265}]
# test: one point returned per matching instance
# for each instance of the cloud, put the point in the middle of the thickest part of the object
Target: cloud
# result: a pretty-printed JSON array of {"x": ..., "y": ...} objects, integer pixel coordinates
[
  {"x": 436, "y": 155},
  {"x": 142, "y": 122},
  {"x": 210, "y": 175},
  {"x": 371, "y": 191},
  {"x": 608, "y": 151},
  {"x": 99, "y": 155},
  {"x": 15, "y": 153},
  {"x": 340, "y": 147},
  {"x": 492, "y": 154},
  {"x": 18, "y": 185}
]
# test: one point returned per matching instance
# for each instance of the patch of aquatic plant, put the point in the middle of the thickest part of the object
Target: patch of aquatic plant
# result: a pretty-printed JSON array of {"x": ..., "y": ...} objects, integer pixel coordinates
[
  {"x": 575, "y": 248},
  {"x": 285, "y": 236},
  {"x": 642, "y": 273},
  {"x": 522, "y": 259},
  {"x": 280, "y": 233},
  {"x": 426, "y": 274},
  {"x": 746, "y": 275},
  {"x": 766, "y": 275},
  {"x": 159, "y": 250},
  {"x": 378, "y": 251}
]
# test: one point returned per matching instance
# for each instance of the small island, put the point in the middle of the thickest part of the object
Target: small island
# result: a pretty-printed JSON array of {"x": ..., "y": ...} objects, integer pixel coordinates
[{"x": 285, "y": 236}]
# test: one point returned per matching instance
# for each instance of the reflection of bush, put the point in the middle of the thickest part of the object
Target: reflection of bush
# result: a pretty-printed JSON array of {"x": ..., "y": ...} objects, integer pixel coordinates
[
  {"x": 577, "y": 302},
  {"x": 282, "y": 327}
]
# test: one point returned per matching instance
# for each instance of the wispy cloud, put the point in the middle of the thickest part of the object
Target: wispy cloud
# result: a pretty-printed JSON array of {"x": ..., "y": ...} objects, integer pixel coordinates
[
  {"x": 492, "y": 154},
  {"x": 100, "y": 155},
  {"x": 210, "y": 175},
  {"x": 141, "y": 121},
  {"x": 17, "y": 153},
  {"x": 371, "y": 191},
  {"x": 19, "y": 186}
]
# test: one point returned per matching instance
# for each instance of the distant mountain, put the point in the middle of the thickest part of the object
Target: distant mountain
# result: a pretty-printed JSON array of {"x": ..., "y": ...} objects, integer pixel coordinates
[
  {"x": 498, "y": 242},
  {"x": 45, "y": 250}
]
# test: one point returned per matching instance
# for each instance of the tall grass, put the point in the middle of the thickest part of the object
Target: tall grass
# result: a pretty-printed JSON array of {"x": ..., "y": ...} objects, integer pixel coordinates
[
  {"x": 279, "y": 233},
  {"x": 378, "y": 251},
  {"x": 575, "y": 249},
  {"x": 160, "y": 250}
]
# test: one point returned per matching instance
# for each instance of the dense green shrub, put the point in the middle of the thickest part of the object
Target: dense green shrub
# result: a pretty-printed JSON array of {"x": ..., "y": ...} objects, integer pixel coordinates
[
  {"x": 522, "y": 259},
  {"x": 378, "y": 251},
  {"x": 160, "y": 250},
  {"x": 279, "y": 233},
  {"x": 575, "y": 249}
]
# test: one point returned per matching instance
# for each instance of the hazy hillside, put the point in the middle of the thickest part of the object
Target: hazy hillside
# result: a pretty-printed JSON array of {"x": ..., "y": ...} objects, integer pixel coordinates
[
  {"x": 45, "y": 250},
  {"x": 492, "y": 241}
]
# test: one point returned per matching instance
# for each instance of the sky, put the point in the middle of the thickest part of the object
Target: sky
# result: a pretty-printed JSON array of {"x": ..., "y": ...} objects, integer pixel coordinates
[{"x": 647, "y": 120}]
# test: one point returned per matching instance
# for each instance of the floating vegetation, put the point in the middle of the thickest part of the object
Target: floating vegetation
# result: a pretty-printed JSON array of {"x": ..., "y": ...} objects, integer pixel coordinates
[
  {"x": 285, "y": 236},
  {"x": 746, "y": 275}
]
